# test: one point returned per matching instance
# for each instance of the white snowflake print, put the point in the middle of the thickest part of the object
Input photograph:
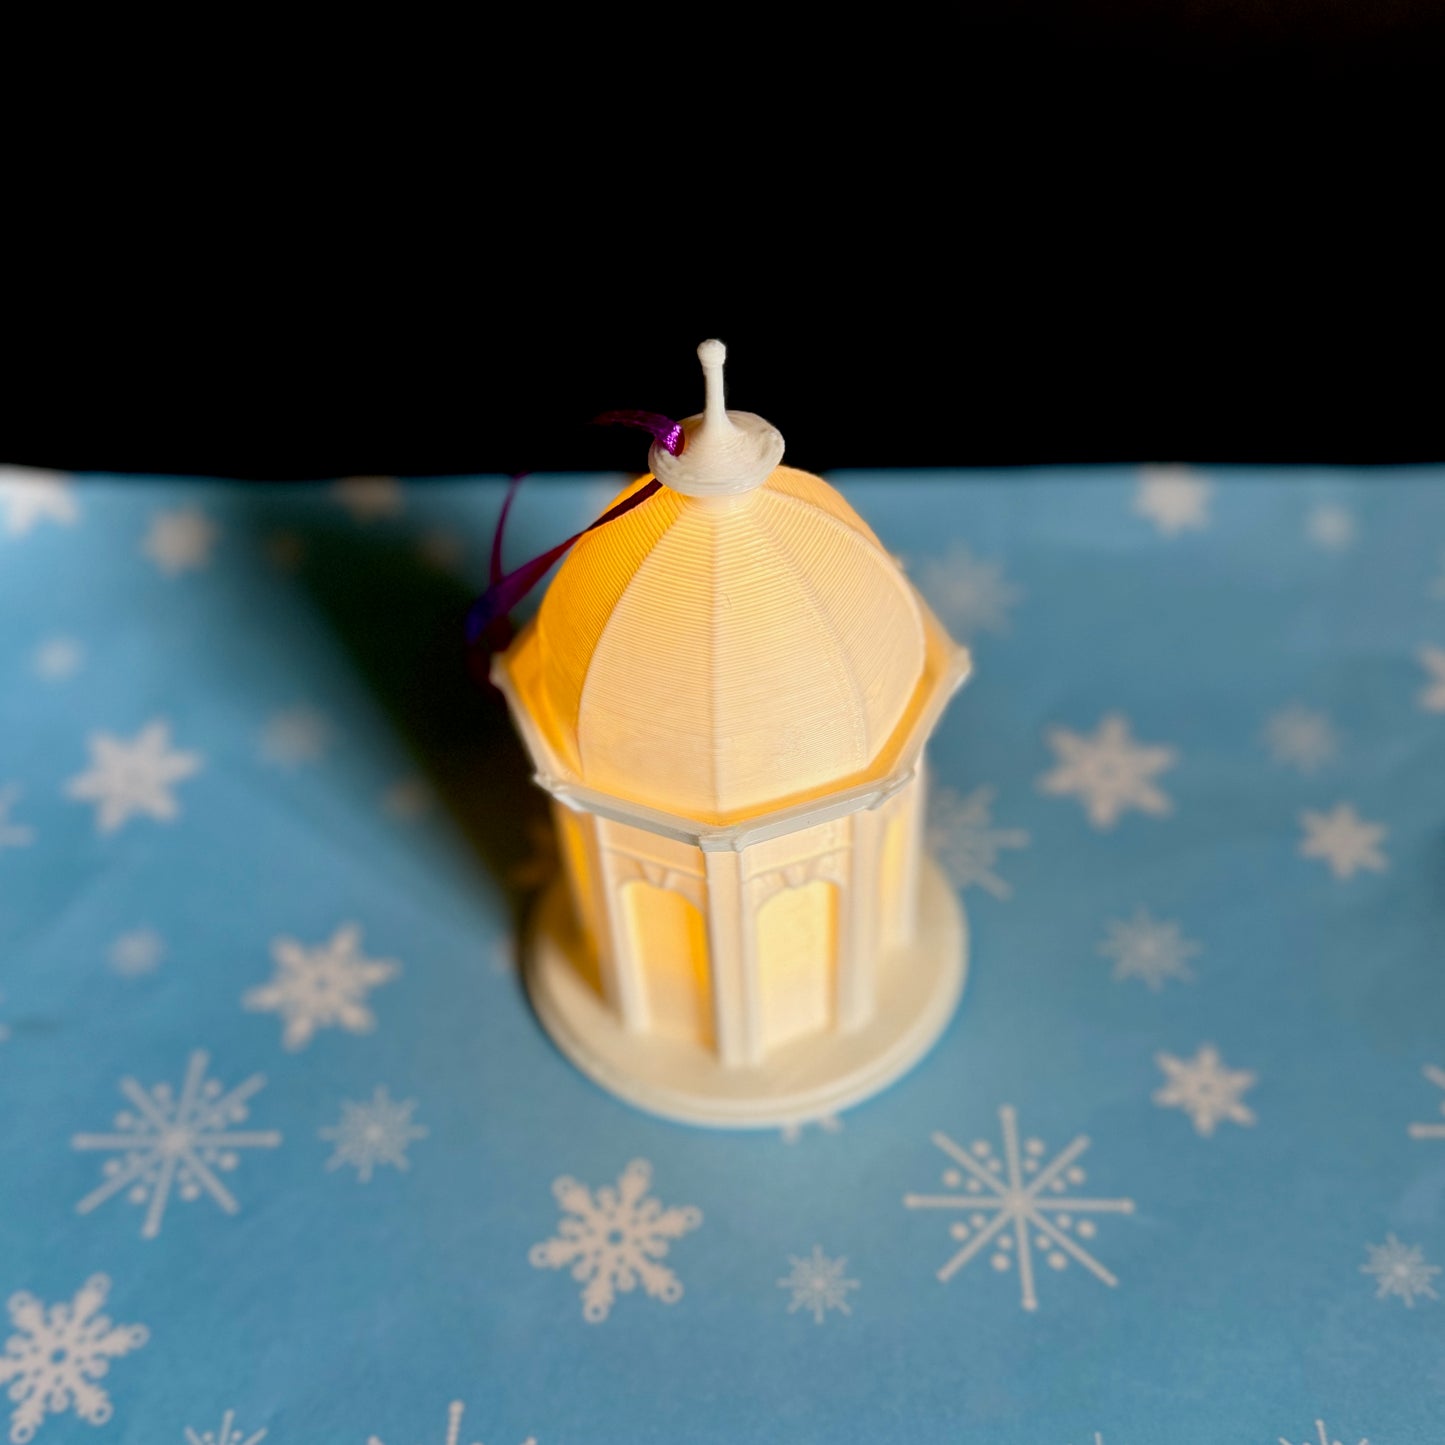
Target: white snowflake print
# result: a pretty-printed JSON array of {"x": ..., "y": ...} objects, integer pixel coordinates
[
  {"x": 961, "y": 833},
  {"x": 408, "y": 799},
  {"x": 1436, "y": 1075},
  {"x": 228, "y": 1434},
  {"x": 286, "y": 551},
  {"x": 370, "y": 498},
  {"x": 827, "y": 1123},
  {"x": 1204, "y": 1089},
  {"x": 1331, "y": 527},
  {"x": 28, "y": 497},
  {"x": 127, "y": 778},
  {"x": 972, "y": 595},
  {"x": 138, "y": 952},
  {"x": 296, "y": 736},
  {"x": 180, "y": 540},
  {"x": 614, "y": 1239},
  {"x": 1432, "y": 659},
  {"x": 1110, "y": 772},
  {"x": 817, "y": 1284},
  {"x": 1175, "y": 499},
  {"x": 57, "y": 658},
  {"x": 167, "y": 1141},
  {"x": 1300, "y": 738},
  {"x": 1029, "y": 1202},
  {"x": 441, "y": 549},
  {"x": 1344, "y": 840},
  {"x": 1147, "y": 949},
  {"x": 54, "y": 1361},
  {"x": 1400, "y": 1269},
  {"x": 369, "y": 1134},
  {"x": 321, "y": 987},
  {"x": 1322, "y": 1438},
  {"x": 454, "y": 1428},
  {"x": 12, "y": 834}
]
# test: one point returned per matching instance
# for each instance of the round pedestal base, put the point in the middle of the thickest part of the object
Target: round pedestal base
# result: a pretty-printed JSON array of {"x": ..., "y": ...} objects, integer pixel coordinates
[{"x": 917, "y": 990}]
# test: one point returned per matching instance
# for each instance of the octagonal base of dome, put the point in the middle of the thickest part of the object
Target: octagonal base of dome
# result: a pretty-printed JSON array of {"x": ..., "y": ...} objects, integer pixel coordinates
[{"x": 918, "y": 989}]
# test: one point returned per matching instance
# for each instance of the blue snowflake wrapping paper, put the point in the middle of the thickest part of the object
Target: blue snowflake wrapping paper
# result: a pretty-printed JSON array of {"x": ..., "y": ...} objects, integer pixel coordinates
[{"x": 287, "y": 1157}]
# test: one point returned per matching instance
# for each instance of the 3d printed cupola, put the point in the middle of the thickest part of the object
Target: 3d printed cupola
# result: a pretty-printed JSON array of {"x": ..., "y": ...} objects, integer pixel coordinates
[{"x": 727, "y": 691}]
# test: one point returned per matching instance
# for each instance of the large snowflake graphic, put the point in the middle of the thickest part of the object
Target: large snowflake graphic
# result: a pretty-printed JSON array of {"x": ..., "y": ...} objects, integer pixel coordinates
[
  {"x": 972, "y": 595},
  {"x": 1432, "y": 659},
  {"x": 127, "y": 778},
  {"x": 1400, "y": 1269},
  {"x": 378, "y": 1132},
  {"x": 792, "y": 1132},
  {"x": 1298, "y": 737},
  {"x": 57, "y": 658},
  {"x": 614, "y": 1239},
  {"x": 1436, "y": 1075},
  {"x": 168, "y": 1142},
  {"x": 454, "y": 1428},
  {"x": 180, "y": 541},
  {"x": 54, "y": 1361},
  {"x": 229, "y": 1434},
  {"x": 1018, "y": 1203},
  {"x": 321, "y": 987},
  {"x": 1204, "y": 1089},
  {"x": 1344, "y": 840},
  {"x": 12, "y": 835},
  {"x": 817, "y": 1284},
  {"x": 295, "y": 736},
  {"x": 28, "y": 497},
  {"x": 1144, "y": 948},
  {"x": 1322, "y": 1438},
  {"x": 1110, "y": 772},
  {"x": 961, "y": 832},
  {"x": 138, "y": 952},
  {"x": 1175, "y": 499}
]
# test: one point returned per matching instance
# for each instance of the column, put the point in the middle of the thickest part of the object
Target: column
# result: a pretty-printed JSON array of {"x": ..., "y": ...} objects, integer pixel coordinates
[
  {"x": 858, "y": 941},
  {"x": 622, "y": 981},
  {"x": 732, "y": 962}
]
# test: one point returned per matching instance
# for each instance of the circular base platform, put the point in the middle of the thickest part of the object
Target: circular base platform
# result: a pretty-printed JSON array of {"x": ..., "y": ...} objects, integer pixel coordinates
[{"x": 918, "y": 988}]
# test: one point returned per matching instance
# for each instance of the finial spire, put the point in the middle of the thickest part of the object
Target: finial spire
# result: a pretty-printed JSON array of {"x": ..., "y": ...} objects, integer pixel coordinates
[{"x": 727, "y": 452}]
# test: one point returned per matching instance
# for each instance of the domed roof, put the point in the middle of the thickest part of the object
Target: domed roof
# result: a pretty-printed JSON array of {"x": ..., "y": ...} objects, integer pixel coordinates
[{"x": 717, "y": 656}]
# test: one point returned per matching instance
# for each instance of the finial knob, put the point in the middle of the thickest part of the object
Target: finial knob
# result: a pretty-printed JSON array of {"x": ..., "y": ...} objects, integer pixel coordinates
[{"x": 727, "y": 452}]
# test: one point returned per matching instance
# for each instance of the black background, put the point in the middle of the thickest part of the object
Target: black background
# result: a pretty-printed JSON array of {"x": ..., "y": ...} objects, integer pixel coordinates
[{"x": 1012, "y": 235}]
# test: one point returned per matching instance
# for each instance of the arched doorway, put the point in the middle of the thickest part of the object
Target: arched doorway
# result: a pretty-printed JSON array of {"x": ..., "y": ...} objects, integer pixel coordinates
[
  {"x": 669, "y": 943},
  {"x": 797, "y": 953}
]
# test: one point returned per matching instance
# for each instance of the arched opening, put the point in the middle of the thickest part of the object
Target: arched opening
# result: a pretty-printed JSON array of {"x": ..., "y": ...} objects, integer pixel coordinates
[
  {"x": 797, "y": 961},
  {"x": 669, "y": 941},
  {"x": 893, "y": 912}
]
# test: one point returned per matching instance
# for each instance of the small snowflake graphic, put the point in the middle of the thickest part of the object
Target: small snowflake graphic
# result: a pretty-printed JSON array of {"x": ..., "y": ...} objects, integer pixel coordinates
[
  {"x": 1204, "y": 1089},
  {"x": 614, "y": 1239},
  {"x": 1432, "y": 659},
  {"x": 228, "y": 1434},
  {"x": 137, "y": 952},
  {"x": 826, "y": 1123},
  {"x": 59, "y": 1353},
  {"x": 28, "y": 497},
  {"x": 167, "y": 1141},
  {"x": 321, "y": 987},
  {"x": 57, "y": 658},
  {"x": 1300, "y": 738},
  {"x": 1175, "y": 499},
  {"x": 1344, "y": 840},
  {"x": 127, "y": 778},
  {"x": 961, "y": 832},
  {"x": 373, "y": 1133},
  {"x": 180, "y": 541},
  {"x": 1331, "y": 527},
  {"x": 1321, "y": 1439},
  {"x": 1436, "y": 1075},
  {"x": 1400, "y": 1269},
  {"x": 12, "y": 835},
  {"x": 972, "y": 595},
  {"x": 1146, "y": 949},
  {"x": 295, "y": 736},
  {"x": 817, "y": 1284},
  {"x": 454, "y": 1428},
  {"x": 1029, "y": 1203},
  {"x": 1110, "y": 772},
  {"x": 370, "y": 498},
  {"x": 408, "y": 799}
]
